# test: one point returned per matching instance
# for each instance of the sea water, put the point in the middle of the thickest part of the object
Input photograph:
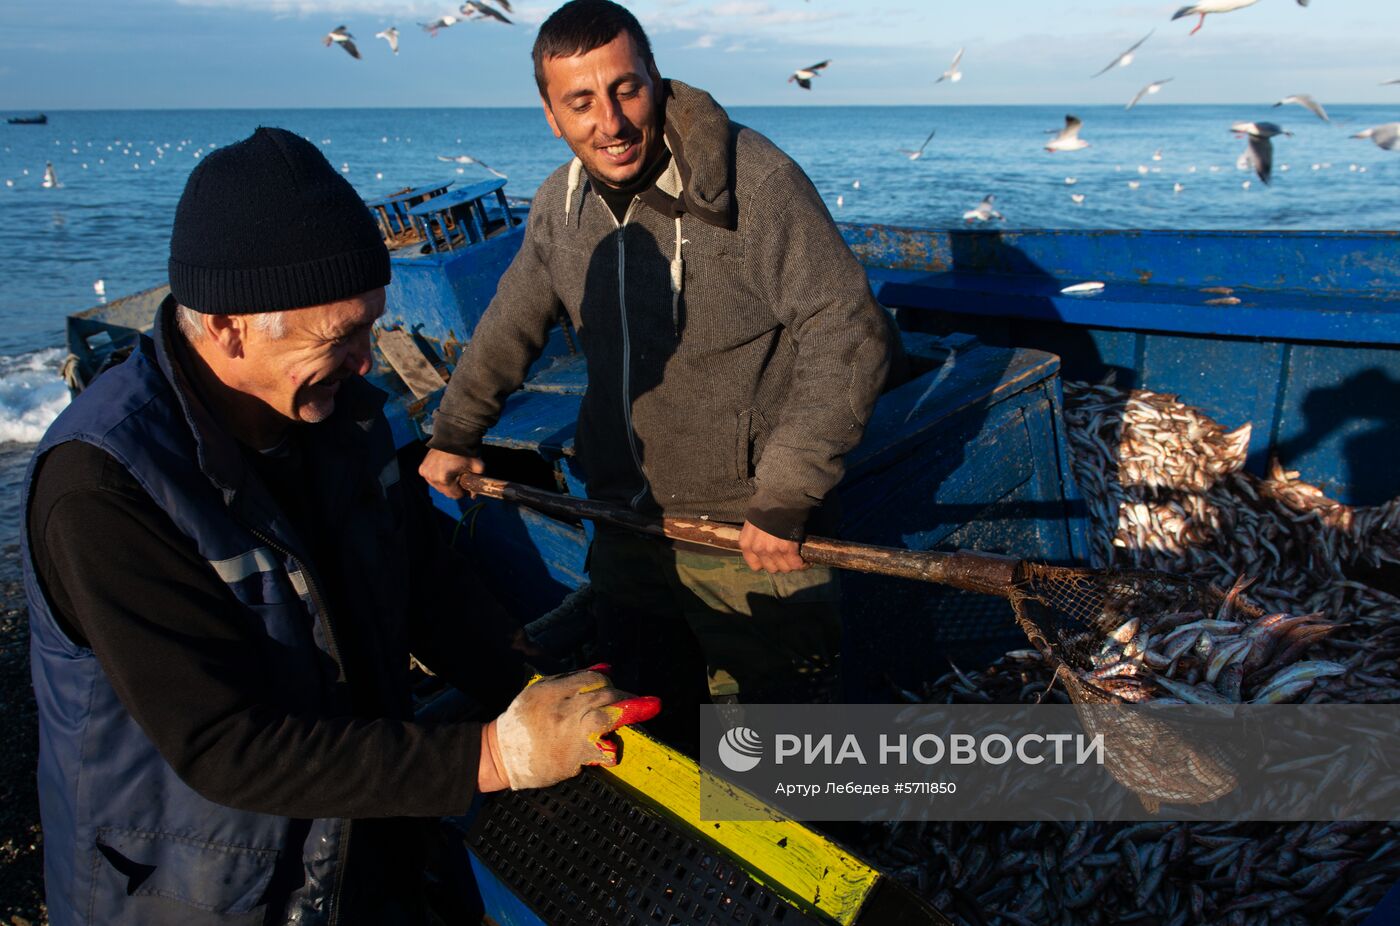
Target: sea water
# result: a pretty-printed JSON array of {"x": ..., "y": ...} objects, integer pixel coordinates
[{"x": 120, "y": 174}]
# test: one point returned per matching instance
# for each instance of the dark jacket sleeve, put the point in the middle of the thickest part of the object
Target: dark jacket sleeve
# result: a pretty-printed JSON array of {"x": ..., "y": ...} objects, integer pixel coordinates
[
  {"x": 844, "y": 341},
  {"x": 184, "y": 658},
  {"x": 458, "y": 628},
  {"x": 510, "y": 336}
]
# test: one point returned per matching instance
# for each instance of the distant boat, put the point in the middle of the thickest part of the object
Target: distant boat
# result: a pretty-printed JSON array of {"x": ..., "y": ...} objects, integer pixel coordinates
[{"x": 40, "y": 119}]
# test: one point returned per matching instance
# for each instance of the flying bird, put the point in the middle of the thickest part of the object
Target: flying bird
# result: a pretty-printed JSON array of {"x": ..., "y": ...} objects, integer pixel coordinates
[
  {"x": 390, "y": 35},
  {"x": 952, "y": 74},
  {"x": 1148, "y": 91},
  {"x": 1126, "y": 58},
  {"x": 479, "y": 9},
  {"x": 1385, "y": 136},
  {"x": 1068, "y": 138},
  {"x": 983, "y": 212},
  {"x": 442, "y": 22},
  {"x": 915, "y": 155},
  {"x": 468, "y": 159},
  {"x": 1204, "y": 8},
  {"x": 1259, "y": 153},
  {"x": 1307, "y": 102},
  {"x": 804, "y": 76},
  {"x": 1387, "y": 83},
  {"x": 340, "y": 36}
]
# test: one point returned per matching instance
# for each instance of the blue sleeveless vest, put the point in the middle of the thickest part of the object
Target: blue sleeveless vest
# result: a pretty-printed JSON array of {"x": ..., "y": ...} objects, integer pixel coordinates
[{"x": 126, "y": 841}]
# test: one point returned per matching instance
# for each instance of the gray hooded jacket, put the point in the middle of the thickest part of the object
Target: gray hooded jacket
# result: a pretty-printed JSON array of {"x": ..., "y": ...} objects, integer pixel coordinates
[{"x": 734, "y": 350}]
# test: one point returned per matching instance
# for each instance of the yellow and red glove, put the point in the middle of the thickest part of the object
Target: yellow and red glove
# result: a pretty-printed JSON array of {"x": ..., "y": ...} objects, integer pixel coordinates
[{"x": 561, "y": 723}]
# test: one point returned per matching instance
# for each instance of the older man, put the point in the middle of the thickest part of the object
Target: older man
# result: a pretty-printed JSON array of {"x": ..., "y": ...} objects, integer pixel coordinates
[
  {"x": 226, "y": 576},
  {"x": 734, "y": 353}
]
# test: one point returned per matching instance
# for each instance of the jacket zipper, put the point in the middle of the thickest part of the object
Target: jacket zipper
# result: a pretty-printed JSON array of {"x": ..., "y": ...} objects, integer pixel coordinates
[
  {"x": 627, "y": 347},
  {"x": 333, "y": 903}
]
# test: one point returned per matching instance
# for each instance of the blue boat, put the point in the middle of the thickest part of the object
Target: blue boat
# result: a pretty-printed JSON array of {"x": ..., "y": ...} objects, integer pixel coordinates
[{"x": 1296, "y": 332}]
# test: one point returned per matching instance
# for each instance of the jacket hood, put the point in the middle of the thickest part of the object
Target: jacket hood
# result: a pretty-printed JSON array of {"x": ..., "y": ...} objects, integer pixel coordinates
[{"x": 701, "y": 139}]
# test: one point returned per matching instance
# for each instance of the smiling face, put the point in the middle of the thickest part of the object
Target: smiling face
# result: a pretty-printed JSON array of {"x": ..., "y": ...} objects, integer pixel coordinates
[
  {"x": 604, "y": 104},
  {"x": 296, "y": 376}
]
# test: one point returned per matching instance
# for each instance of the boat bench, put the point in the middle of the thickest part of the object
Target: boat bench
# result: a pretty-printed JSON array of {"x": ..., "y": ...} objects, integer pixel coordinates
[{"x": 1353, "y": 318}]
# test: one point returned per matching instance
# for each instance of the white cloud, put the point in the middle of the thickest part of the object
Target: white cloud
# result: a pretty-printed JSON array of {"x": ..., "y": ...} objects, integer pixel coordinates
[{"x": 704, "y": 41}]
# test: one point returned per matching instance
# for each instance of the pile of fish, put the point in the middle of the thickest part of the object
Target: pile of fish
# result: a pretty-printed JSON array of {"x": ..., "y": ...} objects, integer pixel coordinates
[
  {"x": 1229, "y": 656},
  {"x": 1166, "y": 489},
  {"x": 1165, "y": 874}
]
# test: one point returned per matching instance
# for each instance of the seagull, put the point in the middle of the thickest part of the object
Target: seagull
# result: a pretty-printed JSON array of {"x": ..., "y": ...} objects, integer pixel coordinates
[
  {"x": 477, "y": 8},
  {"x": 1068, "y": 139},
  {"x": 983, "y": 212},
  {"x": 1148, "y": 91},
  {"x": 804, "y": 76},
  {"x": 468, "y": 159},
  {"x": 1077, "y": 197},
  {"x": 339, "y": 36},
  {"x": 1126, "y": 58},
  {"x": 51, "y": 178},
  {"x": 915, "y": 155},
  {"x": 1385, "y": 136},
  {"x": 390, "y": 35},
  {"x": 1307, "y": 102},
  {"x": 1203, "y": 8},
  {"x": 952, "y": 74},
  {"x": 442, "y": 22},
  {"x": 1260, "y": 152}
]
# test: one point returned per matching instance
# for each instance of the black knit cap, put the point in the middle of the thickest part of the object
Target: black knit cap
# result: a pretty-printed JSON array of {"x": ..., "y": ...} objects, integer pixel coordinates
[{"x": 267, "y": 224}]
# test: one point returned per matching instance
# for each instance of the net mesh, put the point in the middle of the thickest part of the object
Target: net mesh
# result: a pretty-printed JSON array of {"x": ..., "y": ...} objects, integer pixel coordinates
[{"x": 1089, "y": 625}]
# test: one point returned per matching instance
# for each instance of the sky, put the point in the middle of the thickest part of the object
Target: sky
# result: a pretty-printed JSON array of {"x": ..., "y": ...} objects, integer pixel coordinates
[{"x": 174, "y": 54}]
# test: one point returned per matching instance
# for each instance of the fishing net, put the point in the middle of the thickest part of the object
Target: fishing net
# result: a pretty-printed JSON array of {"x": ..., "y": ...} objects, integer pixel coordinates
[{"x": 1074, "y": 618}]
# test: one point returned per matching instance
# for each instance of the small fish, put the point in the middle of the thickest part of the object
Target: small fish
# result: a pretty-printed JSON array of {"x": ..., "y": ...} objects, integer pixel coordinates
[
  {"x": 1192, "y": 694},
  {"x": 1125, "y": 631},
  {"x": 1224, "y": 300},
  {"x": 1083, "y": 289}
]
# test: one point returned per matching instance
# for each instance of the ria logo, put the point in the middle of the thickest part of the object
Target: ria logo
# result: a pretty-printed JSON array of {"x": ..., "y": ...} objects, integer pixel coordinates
[{"x": 740, "y": 749}]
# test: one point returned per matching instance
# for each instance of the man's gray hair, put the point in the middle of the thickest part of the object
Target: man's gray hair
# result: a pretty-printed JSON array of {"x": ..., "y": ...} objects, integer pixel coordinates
[{"x": 272, "y": 324}]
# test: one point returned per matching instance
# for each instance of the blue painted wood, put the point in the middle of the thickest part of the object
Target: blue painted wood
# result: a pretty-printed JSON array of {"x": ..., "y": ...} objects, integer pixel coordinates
[
  {"x": 1313, "y": 262},
  {"x": 538, "y": 421},
  {"x": 459, "y": 196},
  {"x": 1310, "y": 356},
  {"x": 502, "y": 905},
  {"x": 1368, "y": 318},
  {"x": 566, "y": 375}
]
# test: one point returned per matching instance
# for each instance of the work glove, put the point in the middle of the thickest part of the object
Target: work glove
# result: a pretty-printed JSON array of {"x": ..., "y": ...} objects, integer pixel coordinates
[{"x": 561, "y": 723}]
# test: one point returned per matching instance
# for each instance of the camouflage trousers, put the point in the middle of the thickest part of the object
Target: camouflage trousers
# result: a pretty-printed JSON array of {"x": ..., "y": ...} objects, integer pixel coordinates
[{"x": 697, "y": 626}]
